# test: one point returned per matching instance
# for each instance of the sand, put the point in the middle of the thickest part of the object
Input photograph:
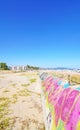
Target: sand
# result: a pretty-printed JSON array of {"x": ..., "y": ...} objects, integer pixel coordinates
[{"x": 22, "y": 91}]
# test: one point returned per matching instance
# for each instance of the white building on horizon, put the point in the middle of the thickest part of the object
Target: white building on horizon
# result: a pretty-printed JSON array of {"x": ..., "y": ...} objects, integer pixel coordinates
[{"x": 19, "y": 68}]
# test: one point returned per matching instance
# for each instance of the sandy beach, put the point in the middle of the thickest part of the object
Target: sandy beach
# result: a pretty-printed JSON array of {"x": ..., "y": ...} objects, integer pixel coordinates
[{"x": 20, "y": 101}]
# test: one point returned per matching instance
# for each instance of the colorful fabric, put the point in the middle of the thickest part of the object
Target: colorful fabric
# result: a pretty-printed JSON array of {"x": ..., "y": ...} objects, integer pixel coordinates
[{"x": 63, "y": 103}]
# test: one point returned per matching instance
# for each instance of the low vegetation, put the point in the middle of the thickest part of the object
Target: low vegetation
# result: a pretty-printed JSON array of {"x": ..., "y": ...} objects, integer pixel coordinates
[
  {"x": 25, "y": 85},
  {"x": 14, "y": 85},
  {"x": 32, "y": 80},
  {"x": 5, "y": 121},
  {"x": 6, "y": 90},
  {"x": 24, "y": 92},
  {"x": 19, "y": 93},
  {"x": 14, "y": 98},
  {"x": 32, "y": 67},
  {"x": 3, "y": 66}
]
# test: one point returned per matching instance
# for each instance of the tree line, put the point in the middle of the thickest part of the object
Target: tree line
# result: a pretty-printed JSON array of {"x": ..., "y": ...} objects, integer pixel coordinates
[
  {"x": 4, "y": 66},
  {"x": 32, "y": 67}
]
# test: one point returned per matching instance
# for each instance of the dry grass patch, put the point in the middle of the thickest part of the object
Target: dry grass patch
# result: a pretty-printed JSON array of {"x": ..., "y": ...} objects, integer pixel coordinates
[
  {"x": 24, "y": 93},
  {"x": 25, "y": 85},
  {"x": 13, "y": 85},
  {"x": 6, "y": 124},
  {"x": 14, "y": 98},
  {"x": 5, "y": 121},
  {"x": 38, "y": 94},
  {"x": 6, "y": 90},
  {"x": 26, "y": 124},
  {"x": 4, "y": 103},
  {"x": 32, "y": 80}
]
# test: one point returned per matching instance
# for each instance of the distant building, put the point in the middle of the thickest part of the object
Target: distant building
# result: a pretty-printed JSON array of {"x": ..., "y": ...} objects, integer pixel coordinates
[{"x": 19, "y": 68}]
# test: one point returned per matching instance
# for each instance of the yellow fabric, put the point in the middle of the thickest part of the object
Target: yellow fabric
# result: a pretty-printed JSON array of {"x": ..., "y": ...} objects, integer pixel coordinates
[
  {"x": 78, "y": 126},
  {"x": 53, "y": 121}
]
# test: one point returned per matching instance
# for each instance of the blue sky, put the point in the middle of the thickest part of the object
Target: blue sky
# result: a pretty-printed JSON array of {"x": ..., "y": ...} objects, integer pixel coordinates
[{"x": 44, "y": 33}]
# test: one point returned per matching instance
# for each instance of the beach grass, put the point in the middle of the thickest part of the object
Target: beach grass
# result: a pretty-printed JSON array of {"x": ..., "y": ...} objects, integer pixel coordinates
[
  {"x": 24, "y": 92},
  {"x": 6, "y": 90},
  {"x": 25, "y": 85},
  {"x": 4, "y": 111},
  {"x": 32, "y": 80}
]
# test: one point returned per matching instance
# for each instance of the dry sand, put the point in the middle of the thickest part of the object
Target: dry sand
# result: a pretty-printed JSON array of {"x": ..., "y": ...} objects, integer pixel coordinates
[{"x": 20, "y": 101}]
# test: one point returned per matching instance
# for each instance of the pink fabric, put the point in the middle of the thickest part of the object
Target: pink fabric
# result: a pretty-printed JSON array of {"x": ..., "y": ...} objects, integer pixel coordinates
[{"x": 63, "y": 101}]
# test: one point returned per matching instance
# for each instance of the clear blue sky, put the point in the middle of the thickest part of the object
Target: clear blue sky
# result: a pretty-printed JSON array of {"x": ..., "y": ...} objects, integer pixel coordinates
[{"x": 40, "y": 32}]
